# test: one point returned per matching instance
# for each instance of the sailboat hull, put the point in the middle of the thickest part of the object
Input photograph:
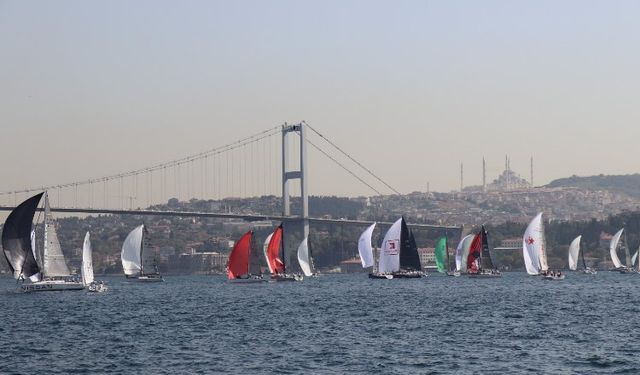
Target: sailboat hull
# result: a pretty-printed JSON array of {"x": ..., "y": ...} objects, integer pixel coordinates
[
  {"x": 251, "y": 280},
  {"x": 50, "y": 286},
  {"x": 409, "y": 275},
  {"x": 489, "y": 274},
  {"x": 154, "y": 278},
  {"x": 380, "y": 276}
]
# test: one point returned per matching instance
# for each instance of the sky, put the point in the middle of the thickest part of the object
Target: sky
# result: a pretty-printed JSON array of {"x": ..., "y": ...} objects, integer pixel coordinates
[{"x": 411, "y": 89}]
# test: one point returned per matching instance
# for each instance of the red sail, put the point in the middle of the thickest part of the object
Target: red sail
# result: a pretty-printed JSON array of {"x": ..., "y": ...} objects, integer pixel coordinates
[
  {"x": 273, "y": 251},
  {"x": 238, "y": 264},
  {"x": 474, "y": 253}
]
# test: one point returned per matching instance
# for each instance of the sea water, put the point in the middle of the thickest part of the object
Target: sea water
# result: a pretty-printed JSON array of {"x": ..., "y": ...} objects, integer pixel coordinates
[{"x": 333, "y": 324}]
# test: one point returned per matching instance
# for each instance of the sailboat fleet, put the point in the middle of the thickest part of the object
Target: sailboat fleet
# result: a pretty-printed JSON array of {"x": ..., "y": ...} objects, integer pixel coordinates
[{"x": 35, "y": 257}]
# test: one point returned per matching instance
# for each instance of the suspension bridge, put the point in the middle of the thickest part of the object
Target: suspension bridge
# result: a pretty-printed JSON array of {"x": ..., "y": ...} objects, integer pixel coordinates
[{"x": 270, "y": 163}]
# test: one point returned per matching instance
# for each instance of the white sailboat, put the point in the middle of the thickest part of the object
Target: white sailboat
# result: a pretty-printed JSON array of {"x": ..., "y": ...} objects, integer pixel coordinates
[
  {"x": 462, "y": 254},
  {"x": 45, "y": 272},
  {"x": 534, "y": 250},
  {"x": 575, "y": 253},
  {"x": 303, "y": 258},
  {"x": 87, "y": 268},
  {"x": 613, "y": 248},
  {"x": 138, "y": 261},
  {"x": 399, "y": 256}
]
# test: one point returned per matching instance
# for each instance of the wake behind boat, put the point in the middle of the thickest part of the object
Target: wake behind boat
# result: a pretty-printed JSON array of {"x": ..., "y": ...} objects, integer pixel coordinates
[
  {"x": 138, "y": 260},
  {"x": 36, "y": 271}
]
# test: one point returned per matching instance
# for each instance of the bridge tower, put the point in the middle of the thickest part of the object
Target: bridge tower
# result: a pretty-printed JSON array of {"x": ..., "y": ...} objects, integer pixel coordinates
[{"x": 300, "y": 174}]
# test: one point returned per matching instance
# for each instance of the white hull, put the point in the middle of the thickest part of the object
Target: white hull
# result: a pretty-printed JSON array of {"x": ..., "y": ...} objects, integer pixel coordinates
[
  {"x": 454, "y": 273},
  {"x": 489, "y": 274},
  {"x": 549, "y": 277},
  {"x": 146, "y": 278},
  {"x": 50, "y": 286}
]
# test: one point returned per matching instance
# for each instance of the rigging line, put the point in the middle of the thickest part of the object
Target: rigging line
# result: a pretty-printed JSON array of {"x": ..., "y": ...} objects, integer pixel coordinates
[
  {"x": 342, "y": 166},
  {"x": 187, "y": 159},
  {"x": 351, "y": 158}
]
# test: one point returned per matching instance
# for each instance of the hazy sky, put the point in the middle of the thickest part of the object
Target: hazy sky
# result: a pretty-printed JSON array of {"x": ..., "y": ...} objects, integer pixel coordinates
[{"x": 410, "y": 88}]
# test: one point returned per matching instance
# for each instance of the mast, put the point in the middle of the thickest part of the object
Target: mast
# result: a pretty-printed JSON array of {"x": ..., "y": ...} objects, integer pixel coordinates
[
  {"x": 284, "y": 258},
  {"x": 584, "y": 264},
  {"x": 446, "y": 249}
]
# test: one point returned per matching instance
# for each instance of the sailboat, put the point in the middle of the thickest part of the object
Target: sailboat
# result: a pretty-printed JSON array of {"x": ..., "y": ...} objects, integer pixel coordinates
[
  {"x": 462, "y": 254},
  {"x": 613, "y": 246},
  {"x": 244, "y": 262},
  {"x": 534, "y": 251},
  {"x": 277, "y": 267},
  {"x": 138, "y": 260},
  {"x": 366, "y": 253},
  {"x": 574, "y": 253},
  {"x": 304, "y": 259},
  {"x": 399, "y": 254},
  {"x": 36, "y": 272},
  {"x": 87, "y": 268},
  {"x": 479, "y": 264}
]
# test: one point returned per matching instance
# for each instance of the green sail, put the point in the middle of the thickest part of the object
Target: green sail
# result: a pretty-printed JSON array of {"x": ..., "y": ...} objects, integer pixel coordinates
[{"x": 441, "y": 254}]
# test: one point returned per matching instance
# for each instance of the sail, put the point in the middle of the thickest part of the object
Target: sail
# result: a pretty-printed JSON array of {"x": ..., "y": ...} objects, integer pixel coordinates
[
  {"x": 532, "y": 245},
  {"x": 574, "y": 251},
  {"x": 465, "y": 243},
  {"x": 364, "y": 247},
  {"x": 303, "y": 257},
  {"x": 16, "y": 239},
  {"x": 390, "y": 249},
  {"x": 87, "y": 261},
  {"x": 613, "y": 245},
  {"x": 441, "y": 254},
  {"x": 634, "y": 258},
  {"x": 254, "y": 259},
  {"x": 409, "y": 257},
  {"x": 131, "y": 252},
  {"x": 474, "y": 253},
  {"x": 265, "y": 250},
  {"x": 147, "y": 255},
  {"x": 54, "y": 264},
  {"x": 487, "y": 263},
  {"x": 238, "y": 264},
  {"x": 276, "y": 265}
]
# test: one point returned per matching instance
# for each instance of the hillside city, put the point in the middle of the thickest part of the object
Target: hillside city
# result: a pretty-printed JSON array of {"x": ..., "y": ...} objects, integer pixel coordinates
[{"x": 202, "y": 245}]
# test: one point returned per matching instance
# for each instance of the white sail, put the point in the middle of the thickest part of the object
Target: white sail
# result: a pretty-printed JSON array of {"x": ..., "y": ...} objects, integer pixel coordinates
[
  {"x": 613, "y": 245},
  {"x": 390, "y": 249},
  {"x": 574, "y": 251},
  {"x": 634, "y": 258},
  {"x": 38, "y": 275},
  {"x": 53, "y": 262},
  {"x": 364, "y": 247},
  {"x": 265, "y": 248},
  {"x": 303, "y": 257},
  {"x": 131, "y": 252},
  {"x": 87, "y": 260},
  {"x": 463, "y": 247},
  {"x": 533, "y": 246}
]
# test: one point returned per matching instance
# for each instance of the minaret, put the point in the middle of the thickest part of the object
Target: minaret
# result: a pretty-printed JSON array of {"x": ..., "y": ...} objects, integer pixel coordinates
[
  {"x": 484, "y": 175},
  {"x": 531, "y": 172},
  {"x": 461, "y": 176}
]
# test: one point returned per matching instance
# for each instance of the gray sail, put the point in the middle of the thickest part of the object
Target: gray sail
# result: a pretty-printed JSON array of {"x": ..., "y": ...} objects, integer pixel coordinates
[
  {"x": 148, "y": 261},
  {"x": 53, "y": 260},
  {"x": 16, "y": 239},
  {"x": 254, "y": 258}
]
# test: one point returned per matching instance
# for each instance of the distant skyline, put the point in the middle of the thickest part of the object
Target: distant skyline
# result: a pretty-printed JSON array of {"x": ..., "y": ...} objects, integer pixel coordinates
[{"x": 409, "y": 88}]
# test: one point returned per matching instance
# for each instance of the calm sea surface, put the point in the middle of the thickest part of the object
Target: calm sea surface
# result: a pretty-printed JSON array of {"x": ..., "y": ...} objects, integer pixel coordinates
[{"x": 332, "y": 324}]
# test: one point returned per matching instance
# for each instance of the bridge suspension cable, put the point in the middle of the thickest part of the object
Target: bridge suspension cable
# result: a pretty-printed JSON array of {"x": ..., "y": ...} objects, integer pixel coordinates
[
  {"x": 352, "y": 159},
  {"x": 173, "y": 163}
]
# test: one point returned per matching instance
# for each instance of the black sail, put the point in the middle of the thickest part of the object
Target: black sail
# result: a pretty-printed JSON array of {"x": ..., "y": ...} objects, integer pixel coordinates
[
  {"x": 254, "y": 257},
  {"x": 16, "y": 238},
  {"x": 486, "y": 254},
  {"x": 409, "y": 257}
]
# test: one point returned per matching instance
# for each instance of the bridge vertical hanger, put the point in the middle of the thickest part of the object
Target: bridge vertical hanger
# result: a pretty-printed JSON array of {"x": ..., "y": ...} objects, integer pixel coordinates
[{"x": 301, "y": 174}]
